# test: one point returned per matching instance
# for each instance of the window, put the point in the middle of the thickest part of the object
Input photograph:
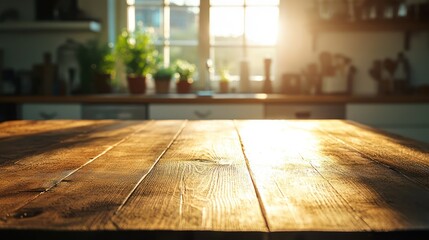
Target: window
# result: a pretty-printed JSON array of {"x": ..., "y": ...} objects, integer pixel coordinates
[
  {"x": 239, "y": 29},
  {"x": 243, "y": 29}
]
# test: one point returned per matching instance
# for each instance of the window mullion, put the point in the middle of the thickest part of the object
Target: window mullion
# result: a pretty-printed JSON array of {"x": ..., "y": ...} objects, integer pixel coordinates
[
  {"x": 244, "y": 31},
  {"x": 204, "y": 42},
  {"x": 166, "y": 32}
]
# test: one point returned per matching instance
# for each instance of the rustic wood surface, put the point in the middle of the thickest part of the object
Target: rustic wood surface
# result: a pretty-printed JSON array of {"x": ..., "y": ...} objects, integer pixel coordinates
[{"x": 223, "y": 179}]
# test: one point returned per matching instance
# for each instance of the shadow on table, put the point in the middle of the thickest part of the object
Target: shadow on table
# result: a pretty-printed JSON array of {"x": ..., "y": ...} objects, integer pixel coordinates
[{"x": 18, "y": 147}]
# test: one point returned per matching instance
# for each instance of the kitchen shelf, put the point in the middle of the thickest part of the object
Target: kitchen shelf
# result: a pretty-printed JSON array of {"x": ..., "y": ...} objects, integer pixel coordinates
[
  {"x": 407, "y": 27},
  {"x": 55, "y": 26}
]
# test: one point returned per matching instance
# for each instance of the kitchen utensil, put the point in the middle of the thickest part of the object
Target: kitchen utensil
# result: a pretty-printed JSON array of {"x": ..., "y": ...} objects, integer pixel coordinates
[{"x": 244, "y": 77}]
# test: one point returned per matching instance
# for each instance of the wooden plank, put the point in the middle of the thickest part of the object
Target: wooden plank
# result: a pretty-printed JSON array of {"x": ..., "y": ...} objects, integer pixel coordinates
[
  {"x": 405, "y": 156},
  {"x": 39, "y": 136},
  {"x": 28, "y": 127},
  {"x": 382, "y": 197},
  {"x": 295, "y": 195},
  {"x": 88, "y": 198},
  {"x": 200, "y": 184},
  {"x": 42, "y": 170}
]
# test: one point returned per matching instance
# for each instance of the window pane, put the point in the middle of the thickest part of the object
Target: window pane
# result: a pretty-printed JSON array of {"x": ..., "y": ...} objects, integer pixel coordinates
[
  {"x": 151, "y": 2},
  {"x": 185, "y": 2},
  {"x": 226, "y": 2},
  {"x": 262, "y": 25},
  {"x": 262, "y": 2},
  {"x": 226, "y": 25},
  {"x": 150, "y": 18},
  {"x": 189, "y": 54},
  {"x": 256, "y": 58},
  {"x": 227, "y": 58},
  {"x": 184, "y": 23}
]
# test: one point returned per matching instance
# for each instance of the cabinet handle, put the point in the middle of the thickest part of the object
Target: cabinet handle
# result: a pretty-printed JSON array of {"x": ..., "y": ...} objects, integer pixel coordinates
[
  {"x": 47, "y": 116},
  {"x": 303, "y": 115},
  {"x": 202, "y": 114}
]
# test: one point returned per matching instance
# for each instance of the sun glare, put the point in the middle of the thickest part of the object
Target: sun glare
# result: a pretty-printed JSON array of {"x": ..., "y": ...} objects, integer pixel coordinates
[{"x": 260, "y": 24}]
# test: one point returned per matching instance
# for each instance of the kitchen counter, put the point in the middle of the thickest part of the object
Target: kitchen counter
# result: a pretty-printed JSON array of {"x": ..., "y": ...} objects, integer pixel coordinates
[
  {"x": 216, "y": 98},
  {"x": 211, "y": 179}
]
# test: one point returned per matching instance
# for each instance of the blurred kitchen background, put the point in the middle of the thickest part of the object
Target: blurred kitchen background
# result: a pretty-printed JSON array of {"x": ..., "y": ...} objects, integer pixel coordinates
[
  {"x": 293, "y": 33},
  {"x": 351, "y": 51}
]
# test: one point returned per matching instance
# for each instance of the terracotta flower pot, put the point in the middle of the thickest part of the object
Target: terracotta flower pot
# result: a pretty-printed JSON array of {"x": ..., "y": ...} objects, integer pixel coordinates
[
  {"x": 136, "y": 84},
  {"x": 224, "y": 87},
  {"x": 162, "y": 86},
  {"x": 102, "y": 83},
  {"x": 184, "y": 86}
]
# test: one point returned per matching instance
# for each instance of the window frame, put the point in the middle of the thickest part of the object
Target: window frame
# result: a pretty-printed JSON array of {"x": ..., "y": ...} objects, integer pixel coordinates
[{"x": 203, "y": 42}]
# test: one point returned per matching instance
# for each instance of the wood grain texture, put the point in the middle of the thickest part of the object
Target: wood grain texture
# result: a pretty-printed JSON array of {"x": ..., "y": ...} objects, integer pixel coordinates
[
  {"x": 35, "y": 171},
  {"x": 40, "y": 136},
  {"x": 405, "y": 156},
  {"x": 28, "y": 127},
  {"x": 259, "y": 179},
  {"x": 295, "y": 195},
  {"x": 89, "y": 197},
  {"x": 201, "y": 183},
  {"x": 384, "y": 198}
]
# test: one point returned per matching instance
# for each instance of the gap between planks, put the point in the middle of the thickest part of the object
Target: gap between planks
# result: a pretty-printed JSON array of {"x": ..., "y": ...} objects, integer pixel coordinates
[
  {"x": 252, "y": 177},
  {"x": 145, "y": 175},
  {"x": 81, "y": 166}
]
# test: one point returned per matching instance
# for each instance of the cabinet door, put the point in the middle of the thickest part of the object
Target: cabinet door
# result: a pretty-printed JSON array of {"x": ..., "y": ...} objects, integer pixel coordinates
[
  {"x": 389, "y": 115},
  {"x": 206, "y": 111},
  {"x": 46, "y": 111},
  {"x": 114, "y": 111},
  {"x": 305, "y": 111},
  {"x": 408, "y": 120},
  {"x": 419, "y": 133}
]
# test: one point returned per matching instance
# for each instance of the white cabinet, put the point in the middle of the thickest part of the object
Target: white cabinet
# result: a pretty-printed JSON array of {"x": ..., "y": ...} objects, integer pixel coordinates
[
  {"x": 206, "y": 111},
  {"x": 115, "y": 111},
  {"x": 305, "y": 111},
  {"x": 45, "y": 111},
  {"x": 410, "y": 120}
]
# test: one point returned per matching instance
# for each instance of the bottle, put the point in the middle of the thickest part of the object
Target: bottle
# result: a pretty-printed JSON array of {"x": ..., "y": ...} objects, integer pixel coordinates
[
  {"x": 68, "y": 66},
  {"x": 267, "y": 71},
  {"x": 244, "y": 77},
  {"x": 45, "y": 75}
]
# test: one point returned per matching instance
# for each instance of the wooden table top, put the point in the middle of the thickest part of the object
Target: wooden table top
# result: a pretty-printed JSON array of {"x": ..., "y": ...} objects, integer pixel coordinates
[{"x": 213, "y": 179}]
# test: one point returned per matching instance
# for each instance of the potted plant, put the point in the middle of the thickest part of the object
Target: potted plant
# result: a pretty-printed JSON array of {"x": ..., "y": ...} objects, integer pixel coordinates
[
  {"x": 162, "y": 78},
  {"x": 185, "y": 70},
  {"x": 138, "y": 53},
  {"x": 97, "y": 65}
]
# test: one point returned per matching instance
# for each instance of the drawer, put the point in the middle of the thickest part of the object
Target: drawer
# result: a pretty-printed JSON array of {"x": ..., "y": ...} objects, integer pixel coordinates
[
  {"x": 42, "y": 111},
  {"x": 305, "y": 111},
  {"x": 206, "y": 111},
  {"x": 118, "y": 111},
  {"x": 389, "y": 115}
]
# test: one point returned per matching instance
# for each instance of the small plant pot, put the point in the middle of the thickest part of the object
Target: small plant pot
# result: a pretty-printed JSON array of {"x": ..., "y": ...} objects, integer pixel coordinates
[
  {"x": 136, "y": 84},
  {"x": 184, "y": 86},
  {"x": 223, "y": 87},
  {"x": 102, "y": 83},
  {"x": 162, "y": 86}
]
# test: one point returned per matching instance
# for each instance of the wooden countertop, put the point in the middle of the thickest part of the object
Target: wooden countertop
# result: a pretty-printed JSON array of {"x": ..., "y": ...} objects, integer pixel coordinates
[
  {"x": 224, "y": 179},
  {"x": 217, "y": 98}
]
